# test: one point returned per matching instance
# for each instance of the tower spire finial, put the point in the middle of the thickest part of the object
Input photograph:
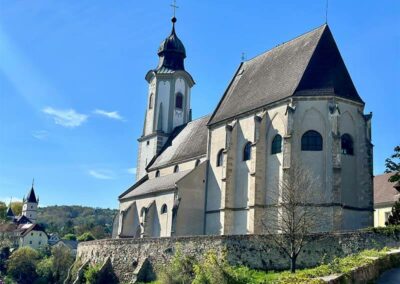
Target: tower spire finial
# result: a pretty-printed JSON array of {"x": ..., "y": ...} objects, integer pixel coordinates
[
  {"x": 33, "y": 182},
  {"x": 174, "y": 7},
  {"x": 326, "y": 11}
]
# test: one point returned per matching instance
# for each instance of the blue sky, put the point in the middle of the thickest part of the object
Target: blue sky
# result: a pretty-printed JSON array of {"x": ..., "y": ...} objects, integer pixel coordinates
[{"x": 72, "y": 88}]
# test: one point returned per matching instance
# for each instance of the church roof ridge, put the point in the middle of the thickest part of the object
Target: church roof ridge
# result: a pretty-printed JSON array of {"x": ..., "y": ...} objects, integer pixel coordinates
[
  {"x": 323, "y": 26},
  {"x": 283, "y": 71}
]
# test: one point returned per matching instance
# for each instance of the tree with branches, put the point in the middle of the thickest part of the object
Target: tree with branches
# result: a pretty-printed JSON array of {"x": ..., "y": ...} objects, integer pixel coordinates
[
  {"x": 295, "y": 210},
  {"x": 393, "y": 167}
]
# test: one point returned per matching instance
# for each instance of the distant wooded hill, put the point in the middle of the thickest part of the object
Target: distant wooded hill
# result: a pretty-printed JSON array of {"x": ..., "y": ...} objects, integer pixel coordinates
[{"x": 77, "y": 220}]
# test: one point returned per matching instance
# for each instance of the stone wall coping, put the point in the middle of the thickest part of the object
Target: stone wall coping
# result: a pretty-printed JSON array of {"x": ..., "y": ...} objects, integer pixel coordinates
[{"x": 211, "y": 238}]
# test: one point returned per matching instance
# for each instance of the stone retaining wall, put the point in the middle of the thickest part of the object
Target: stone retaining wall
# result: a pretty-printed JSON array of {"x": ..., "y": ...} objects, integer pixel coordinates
[{"x": 255, "y": 251}]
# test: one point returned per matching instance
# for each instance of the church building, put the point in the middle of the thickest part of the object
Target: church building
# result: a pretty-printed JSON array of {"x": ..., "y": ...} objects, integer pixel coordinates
[{"x": 214, "y": 175}]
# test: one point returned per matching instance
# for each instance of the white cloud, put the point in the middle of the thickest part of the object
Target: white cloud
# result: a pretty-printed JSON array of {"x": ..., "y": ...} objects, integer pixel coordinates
[
  {"x": 131, "y": 171},
  {"x": 40, "y": 134},
  {"x": 101, "y": 174},
  {"x": 110, "y": 114},
  {"x": 66, "y": 118}
]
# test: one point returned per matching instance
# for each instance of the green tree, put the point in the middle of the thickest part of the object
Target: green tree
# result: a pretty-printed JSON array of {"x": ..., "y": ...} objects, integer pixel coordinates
[
  {"x": 44, "y": 269},
  {"x": 393, "y": 165},
  {"x": 86, "y": 237},
  {"x": 21, "y": 265},
  {"x": 3, "y": 211},
  {"x": 16, "y": 207},
  {"x": 70, "y": 237},
  {"x": 62, "y": 261}
]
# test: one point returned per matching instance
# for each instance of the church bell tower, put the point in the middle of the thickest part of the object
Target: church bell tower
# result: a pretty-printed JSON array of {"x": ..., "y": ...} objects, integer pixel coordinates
[
  {"x": 168, "y": 100},
  {"x": 30, "y": 205}
]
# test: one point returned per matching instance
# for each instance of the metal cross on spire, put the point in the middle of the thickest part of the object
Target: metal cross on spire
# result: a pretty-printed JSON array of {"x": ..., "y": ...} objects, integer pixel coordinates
[{"x": 174, "y": 7}]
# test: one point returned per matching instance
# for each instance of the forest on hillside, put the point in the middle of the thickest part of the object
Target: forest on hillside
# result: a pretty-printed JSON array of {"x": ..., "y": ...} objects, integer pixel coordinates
[{"x": 72, "y": 219}]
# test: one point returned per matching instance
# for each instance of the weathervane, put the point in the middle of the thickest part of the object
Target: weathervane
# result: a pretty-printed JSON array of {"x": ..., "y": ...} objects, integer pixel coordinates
[{"x": 174, "y": 7}]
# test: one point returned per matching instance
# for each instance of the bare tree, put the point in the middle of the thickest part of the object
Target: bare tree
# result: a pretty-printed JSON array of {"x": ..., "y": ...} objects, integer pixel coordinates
[{"x": 295, "y": 209}]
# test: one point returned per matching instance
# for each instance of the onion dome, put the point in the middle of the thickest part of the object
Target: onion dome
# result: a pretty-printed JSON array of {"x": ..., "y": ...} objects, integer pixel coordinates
[{"x": 172, "y": 52}]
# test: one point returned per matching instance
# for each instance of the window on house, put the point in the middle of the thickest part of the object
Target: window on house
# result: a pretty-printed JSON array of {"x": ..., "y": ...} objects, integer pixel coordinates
[
  {"x": 30, "y": 242},
  {"x": 387, "y": 215},
  {"x": 40, "y": 234},
  {"x": 157, "y": 174},
  {"x": 347, "y": 144},
  {"x": 247, "y": 152},
  {"x": 40, "y": 243},
  {"x": 220, "y": 158},
  {"x": 151, "y": 101},
  {"x": 176, "y": 169},
  {"x": 31, "y": 234},
  {"x": 276, "y": 145},
  {"x": 311, "y": 141},
  {"x": 197, "y": 163},
  {"x": 164, "y": 209},
  {"x": 179, "y": 101}
]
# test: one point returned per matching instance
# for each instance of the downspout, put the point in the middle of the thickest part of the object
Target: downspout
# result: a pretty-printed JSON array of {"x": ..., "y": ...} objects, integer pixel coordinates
[{"x": 206, "y": 185}]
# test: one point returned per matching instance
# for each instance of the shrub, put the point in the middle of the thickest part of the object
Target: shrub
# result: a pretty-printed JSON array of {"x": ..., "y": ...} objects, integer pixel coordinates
[
  {"x": 70, "y": 237},
  {"x": 92, "y": 274},
  {"x": 213, "y": 269},
  {"x": 86, "y": 237},
  {"x": 179, "y": 271}
]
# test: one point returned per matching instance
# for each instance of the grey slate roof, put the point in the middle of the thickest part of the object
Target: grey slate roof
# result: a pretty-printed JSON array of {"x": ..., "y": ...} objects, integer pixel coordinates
[
  {"x": 309, "y": 62},
  {"x": 159, "y": 184},
  {"x": 186, "y": 143},
  {"x": 385, "y": 193},
  {"x": 31, "y": 197}
]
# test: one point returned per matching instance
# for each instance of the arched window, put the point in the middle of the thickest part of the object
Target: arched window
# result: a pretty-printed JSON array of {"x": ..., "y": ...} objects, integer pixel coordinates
[
  {"x": 197, "y": 163},
  {"x": 164, "y": 209},
  {"x": 142, "y": 211},
  {"x": 151, "y": 101},
  {"x": 247, "y": 152},
  {"x": 157, "y": 174},
  {"x": 347, "y": 145},
  {"x": 276, "y": 145},
  {"x": 311, "y": 141},
  {"x": 220, "y": 158},
  {"x": 176, "y": 169},
  {"x": 179, "y": 101}
]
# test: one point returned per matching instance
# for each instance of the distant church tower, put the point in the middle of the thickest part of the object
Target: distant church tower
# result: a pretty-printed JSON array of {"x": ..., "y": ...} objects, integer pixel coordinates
[
  {"x": 30, "y": 205},
  {"x": 168, "y": 100}
]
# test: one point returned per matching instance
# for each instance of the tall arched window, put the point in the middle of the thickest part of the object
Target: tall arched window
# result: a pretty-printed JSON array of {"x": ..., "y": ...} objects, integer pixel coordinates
[
  {"x": 311, "y": 141},
  {"x": 179, "y": 101},
  {"x": 164, "y": 209},
  {"x": 151, "y": 101},
  {"x": 276, "y": 145},
  {"x": 347, "y": 144},
  {"x": 176, "y": 169},
  {"x": 220, "y": 158},
  {"x": 142, "y": 211},
  {"x": 157, "y": 173},
  {"x": 247, "y": 152}
]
